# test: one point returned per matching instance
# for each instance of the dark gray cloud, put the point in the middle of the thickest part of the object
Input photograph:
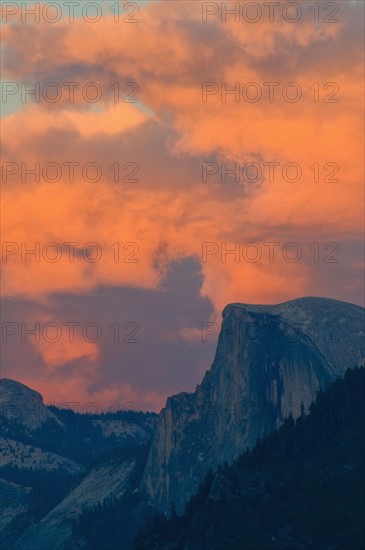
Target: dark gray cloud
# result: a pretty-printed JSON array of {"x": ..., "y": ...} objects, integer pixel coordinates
[{"x": 162, "y": 361}]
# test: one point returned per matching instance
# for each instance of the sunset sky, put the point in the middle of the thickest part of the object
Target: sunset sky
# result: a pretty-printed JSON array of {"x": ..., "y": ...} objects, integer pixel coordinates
[{"x": 161, "y": 227}]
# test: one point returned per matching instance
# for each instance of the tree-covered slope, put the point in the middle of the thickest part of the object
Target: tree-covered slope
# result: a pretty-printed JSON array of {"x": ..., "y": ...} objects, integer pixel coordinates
[{"x": 302, "y": 487}]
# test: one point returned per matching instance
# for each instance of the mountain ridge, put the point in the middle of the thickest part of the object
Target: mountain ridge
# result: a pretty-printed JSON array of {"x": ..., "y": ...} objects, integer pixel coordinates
[
  {"x": 55, "y": 463},
  {"x": 300, "y": 487},
  {"x": 270, "y": 359}
]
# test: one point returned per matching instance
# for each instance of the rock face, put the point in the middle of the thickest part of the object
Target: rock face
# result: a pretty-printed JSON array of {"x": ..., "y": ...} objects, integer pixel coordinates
[
  {"x": 22, "y": 405},
  {"x": 107, "y": 480},
  {"x": 55, "y": 463},
  {"x": 270, "y": 361}
]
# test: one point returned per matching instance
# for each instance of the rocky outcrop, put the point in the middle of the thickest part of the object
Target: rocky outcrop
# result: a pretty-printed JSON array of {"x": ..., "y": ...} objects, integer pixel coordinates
[
  {"x": 22, "y": 405},
  {"x": 55, "y": 464},
  {"x": 107, "y": 480},
  {"x": 270, "y": 361}
]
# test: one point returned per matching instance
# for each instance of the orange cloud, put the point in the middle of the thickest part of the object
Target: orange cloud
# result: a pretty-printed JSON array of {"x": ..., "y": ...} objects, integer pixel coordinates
[{"x": 171, "y": 212}]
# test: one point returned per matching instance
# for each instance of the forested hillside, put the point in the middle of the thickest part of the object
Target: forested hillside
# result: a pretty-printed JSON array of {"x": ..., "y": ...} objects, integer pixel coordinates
[{"x": 301, "y": 487}]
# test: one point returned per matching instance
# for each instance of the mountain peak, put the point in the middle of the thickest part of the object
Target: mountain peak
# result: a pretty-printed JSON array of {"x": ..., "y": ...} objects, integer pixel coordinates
[
  {"x": 21, "y": 404},
  {"x": 8, "y": 384},
  {"x": 270, "y": 361},
  {"x": 335, "y": 328},
  {"x": 306, "y": 302}
]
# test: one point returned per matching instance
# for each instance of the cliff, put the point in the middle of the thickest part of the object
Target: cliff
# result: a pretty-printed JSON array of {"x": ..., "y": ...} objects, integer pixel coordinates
[{"x": 270, "y": 361}]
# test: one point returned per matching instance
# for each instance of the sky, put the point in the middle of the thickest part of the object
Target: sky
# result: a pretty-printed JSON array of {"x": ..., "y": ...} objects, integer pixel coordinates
[{"x": 173, "y": 159}]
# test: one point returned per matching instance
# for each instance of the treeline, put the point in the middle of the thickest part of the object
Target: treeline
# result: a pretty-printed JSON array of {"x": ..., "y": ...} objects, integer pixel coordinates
[
  {"x": 70, "y": 417},
  {"x": 81, "y": 437},
  {"x": 303, "y": 486},
  {"x": 40, "y": 490},
  {"x": 113, "y": 523}
]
